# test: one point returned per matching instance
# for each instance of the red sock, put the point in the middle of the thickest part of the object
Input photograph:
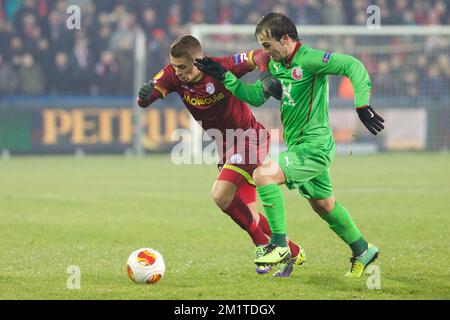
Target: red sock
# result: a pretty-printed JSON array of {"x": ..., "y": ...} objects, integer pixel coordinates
[
  {"x": 295, "y": 249},
  {"x": 264, "y": 225},
  {"x": 241, "y": 214}
]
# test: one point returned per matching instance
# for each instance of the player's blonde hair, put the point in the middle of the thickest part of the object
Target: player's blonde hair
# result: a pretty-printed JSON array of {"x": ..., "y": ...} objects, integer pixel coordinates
[{"x": 186, "y": 46}]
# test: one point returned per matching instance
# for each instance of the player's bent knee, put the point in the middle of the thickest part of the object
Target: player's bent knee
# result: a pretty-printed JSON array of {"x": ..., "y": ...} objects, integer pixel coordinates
[
  {"x": 257, "y": 178},
  {"x": 323, "y": 206},
  {"x": 222, "y": 199},
  {"x": 268, "y": 173}
]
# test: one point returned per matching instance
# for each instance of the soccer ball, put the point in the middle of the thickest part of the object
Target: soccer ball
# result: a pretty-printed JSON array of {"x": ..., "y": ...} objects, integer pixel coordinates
[{"x": 145, "y": 266}]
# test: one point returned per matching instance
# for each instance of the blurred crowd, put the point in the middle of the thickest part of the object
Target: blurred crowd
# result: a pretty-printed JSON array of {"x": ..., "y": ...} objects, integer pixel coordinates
[{"x": 40, "y": 56}]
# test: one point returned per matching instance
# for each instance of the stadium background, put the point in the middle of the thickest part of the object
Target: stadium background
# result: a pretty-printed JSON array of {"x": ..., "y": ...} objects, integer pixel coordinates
[
  {"x": 66, "y": 90},
  {"x": 71, "y": 91}
]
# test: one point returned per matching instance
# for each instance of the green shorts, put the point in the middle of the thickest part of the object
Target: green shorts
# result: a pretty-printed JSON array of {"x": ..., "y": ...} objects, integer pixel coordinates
[{"x": 307, "y": 168}]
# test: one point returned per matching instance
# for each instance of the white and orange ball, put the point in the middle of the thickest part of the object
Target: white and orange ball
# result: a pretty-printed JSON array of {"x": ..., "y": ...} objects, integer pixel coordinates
[{"x": 145, "y": 266}]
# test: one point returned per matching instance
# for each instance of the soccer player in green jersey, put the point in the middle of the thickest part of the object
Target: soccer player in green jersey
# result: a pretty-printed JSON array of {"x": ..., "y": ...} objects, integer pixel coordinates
[{"x": 302, "y": 72}]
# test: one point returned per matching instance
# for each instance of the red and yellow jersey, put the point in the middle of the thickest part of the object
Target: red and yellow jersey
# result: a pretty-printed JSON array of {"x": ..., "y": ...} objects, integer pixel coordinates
[{"x": 208, "y": 100}]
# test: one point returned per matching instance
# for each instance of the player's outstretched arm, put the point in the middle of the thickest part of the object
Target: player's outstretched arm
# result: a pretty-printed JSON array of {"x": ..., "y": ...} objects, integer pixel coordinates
[
  {"x": 252, "y": 94},
  {"x": 271, "y": 85},
  {"x": 269, "y": 82},
  {"x": 322, "y": 62},
  {"x": 241, "y": 64},
  {"x": 147, "y": 95}
]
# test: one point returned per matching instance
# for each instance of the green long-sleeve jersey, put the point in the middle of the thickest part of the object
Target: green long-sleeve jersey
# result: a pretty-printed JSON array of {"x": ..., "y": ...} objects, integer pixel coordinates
[{"x": 304, "y": 105}]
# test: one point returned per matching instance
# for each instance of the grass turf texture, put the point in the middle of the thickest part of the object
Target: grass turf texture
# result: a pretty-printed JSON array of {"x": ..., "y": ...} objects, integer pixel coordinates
[{"x": 94, "y": 211}]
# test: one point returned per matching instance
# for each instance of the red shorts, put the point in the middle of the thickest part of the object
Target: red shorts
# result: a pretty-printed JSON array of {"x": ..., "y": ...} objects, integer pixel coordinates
[
  {"x": 246, "y": 158},
  {"x": 237, "y": 167},
  {"x": 246, "y": 191}
]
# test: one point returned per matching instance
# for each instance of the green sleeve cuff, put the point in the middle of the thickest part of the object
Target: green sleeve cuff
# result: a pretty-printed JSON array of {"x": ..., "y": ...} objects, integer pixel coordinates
[
  {"x": 230, "y": 79},
  {"x": 252, "y": 94}
]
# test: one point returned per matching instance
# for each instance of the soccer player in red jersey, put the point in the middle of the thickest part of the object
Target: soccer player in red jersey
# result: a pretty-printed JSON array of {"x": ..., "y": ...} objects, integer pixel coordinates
[{"x": 214, "y": 107}]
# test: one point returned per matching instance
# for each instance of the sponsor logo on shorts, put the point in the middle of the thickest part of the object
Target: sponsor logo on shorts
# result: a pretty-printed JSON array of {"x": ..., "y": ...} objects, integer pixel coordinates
[{"x": 287, "y": 161}]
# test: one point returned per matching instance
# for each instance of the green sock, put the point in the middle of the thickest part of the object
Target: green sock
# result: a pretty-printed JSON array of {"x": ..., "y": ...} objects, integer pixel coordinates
[
  {"x": 359, "y": 247},
  {"x": 342, "y": 224},
  {"x": 273, "y": 202},
  {"x": 279, "y": 239}
]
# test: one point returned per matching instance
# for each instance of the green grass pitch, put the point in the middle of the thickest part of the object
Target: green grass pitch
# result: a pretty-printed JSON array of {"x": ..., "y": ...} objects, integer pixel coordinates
[{"x": 94, "y": 211}]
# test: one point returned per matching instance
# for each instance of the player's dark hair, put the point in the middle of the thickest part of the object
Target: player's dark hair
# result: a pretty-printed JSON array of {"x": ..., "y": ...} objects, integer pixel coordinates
[
  {"x": 276, "y": 25},
  {"x": 185, "y": 46}
]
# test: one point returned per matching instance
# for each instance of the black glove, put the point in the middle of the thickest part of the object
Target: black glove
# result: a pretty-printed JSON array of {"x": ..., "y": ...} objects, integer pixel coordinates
[
  {"x": 271, "y": 85},
  {"x": 210, "y": 67},
  {"x": 370, "y": 119},
  {"x": 146, "y": 90}
]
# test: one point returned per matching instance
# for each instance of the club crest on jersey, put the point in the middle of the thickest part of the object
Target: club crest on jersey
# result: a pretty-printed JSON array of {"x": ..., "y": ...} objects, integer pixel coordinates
[
  {"x": 236, "y": 159},
  {"x": 210, "y": 88},
  {"x": 297, "y": 73}
]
